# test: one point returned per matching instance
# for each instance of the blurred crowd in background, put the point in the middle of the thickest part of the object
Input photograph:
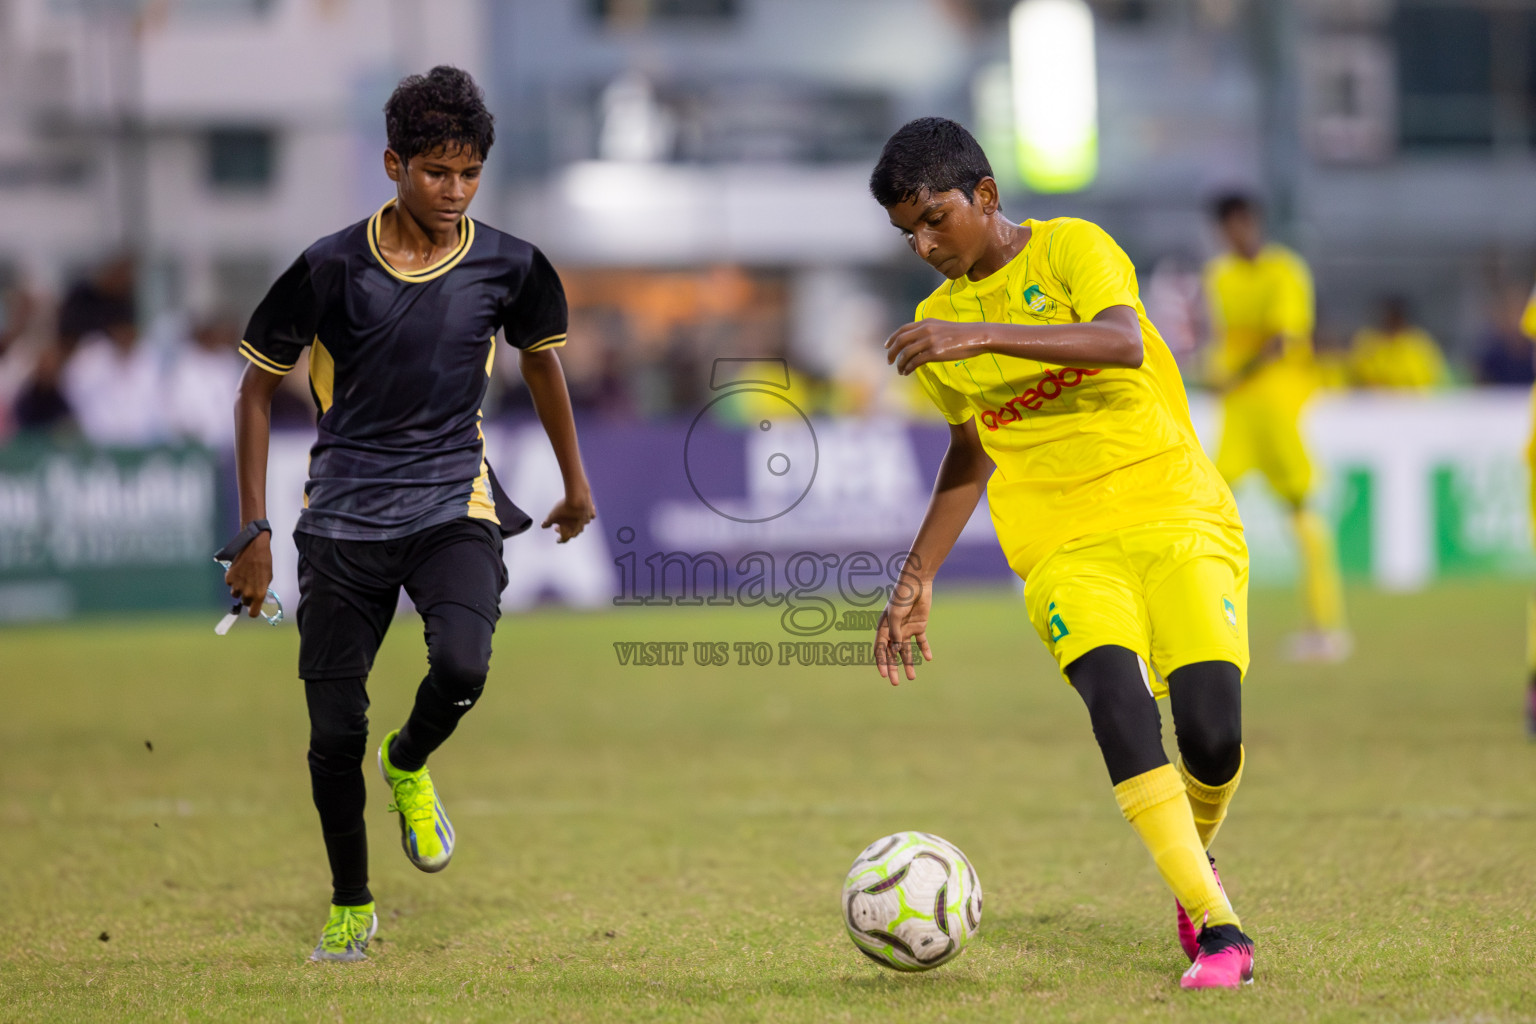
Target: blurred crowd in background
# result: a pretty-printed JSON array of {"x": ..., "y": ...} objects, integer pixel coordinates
[
  {"x": 84, "y": 364},
  {"x": 697, "y": 171}
]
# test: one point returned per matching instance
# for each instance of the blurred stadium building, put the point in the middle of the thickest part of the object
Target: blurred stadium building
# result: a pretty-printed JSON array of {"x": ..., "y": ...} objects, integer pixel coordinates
[
  {"x": 213, "y": 138},
  {"x": 216, "y": 137}
]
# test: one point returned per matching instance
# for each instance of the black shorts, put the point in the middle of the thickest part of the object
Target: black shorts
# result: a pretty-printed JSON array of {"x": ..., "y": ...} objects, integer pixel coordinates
[{"x": 348, "y": 589}]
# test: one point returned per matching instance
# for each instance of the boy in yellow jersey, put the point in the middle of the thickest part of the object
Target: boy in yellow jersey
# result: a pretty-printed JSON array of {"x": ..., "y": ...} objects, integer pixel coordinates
[
  {"x": 1066, "y": 408},
  {"x": 1262, "y": 317},
  {"x": 1528, "y": 326},
  {"x": 1396, "y": 354}
]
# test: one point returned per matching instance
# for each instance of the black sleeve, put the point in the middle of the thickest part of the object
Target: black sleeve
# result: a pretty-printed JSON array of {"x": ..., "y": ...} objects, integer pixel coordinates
[
  {"x": 533, "y": 312},
  {"x": 285, "y": 322}
]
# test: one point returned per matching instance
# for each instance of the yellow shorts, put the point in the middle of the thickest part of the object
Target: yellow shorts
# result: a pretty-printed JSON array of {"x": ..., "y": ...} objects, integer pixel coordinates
[
  {"x": 1176, "y": 593},
  {"x": 1261, "y": 429}
]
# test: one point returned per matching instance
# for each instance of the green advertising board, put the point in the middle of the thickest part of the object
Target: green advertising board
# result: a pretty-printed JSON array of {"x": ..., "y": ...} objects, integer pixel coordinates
[
  {"x": 1353, "y": 510},
  {"x": 1482, "y": 519},
  {"x": 86, "y": 529}
]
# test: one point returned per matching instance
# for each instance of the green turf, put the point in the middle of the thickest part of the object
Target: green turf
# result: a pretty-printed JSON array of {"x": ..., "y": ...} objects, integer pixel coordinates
[{"x": 664, "y": 843}]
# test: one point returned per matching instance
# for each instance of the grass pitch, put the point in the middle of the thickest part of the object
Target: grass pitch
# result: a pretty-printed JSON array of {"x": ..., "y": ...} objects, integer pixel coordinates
[{"x": 663, "y": 843}]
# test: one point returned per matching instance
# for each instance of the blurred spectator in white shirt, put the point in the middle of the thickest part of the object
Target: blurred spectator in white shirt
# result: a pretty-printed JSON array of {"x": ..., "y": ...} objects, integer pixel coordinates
[
  {"x": 113, "y": 385},
  {"x": 201, "y": 383},
  {"x": 93, "y": 305}
]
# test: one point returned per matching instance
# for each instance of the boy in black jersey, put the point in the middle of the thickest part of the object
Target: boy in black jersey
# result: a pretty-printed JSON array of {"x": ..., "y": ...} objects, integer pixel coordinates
[{"x": 400, "y": 313}]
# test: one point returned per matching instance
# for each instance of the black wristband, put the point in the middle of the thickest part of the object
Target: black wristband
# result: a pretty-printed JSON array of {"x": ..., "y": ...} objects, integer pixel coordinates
[{"x": 229, "y": 552}]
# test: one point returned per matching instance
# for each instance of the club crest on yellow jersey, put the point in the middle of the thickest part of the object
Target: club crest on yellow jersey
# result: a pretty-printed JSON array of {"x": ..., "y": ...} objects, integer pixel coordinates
[
  {"x": 1038, "y": 301},
  {"x": 1229, "y": 610}
]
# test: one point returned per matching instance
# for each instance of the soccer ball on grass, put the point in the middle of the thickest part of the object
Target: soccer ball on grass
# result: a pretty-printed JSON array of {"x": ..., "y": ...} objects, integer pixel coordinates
[{"x": 911, "y": 901}]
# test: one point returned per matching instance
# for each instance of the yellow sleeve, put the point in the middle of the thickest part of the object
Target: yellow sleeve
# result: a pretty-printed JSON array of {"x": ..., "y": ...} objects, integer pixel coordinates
[
  {"x": 948, "y": 401},
  {"x": 1361, "y": 358},
  {"x": 1095, "y": 271},
  {"x": 1528, "y": 321},
  {"x": 1294, "y": 309},
  {"x": 1431, "y": 369}
]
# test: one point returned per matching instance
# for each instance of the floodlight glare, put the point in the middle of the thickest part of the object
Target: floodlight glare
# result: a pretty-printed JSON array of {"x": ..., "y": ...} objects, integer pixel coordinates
[{"x": 1055, "y": 94}]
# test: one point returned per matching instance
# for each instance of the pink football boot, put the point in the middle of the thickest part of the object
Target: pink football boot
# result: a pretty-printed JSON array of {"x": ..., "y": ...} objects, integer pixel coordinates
[
  {"x": 1189, "y": 935},
  {"x": 1224, "y": 960}
]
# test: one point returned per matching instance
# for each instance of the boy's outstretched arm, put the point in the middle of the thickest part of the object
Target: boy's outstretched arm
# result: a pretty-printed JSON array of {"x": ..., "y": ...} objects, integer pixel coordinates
[
  {"x": 958, "y": 488},
  {"x": 546, "y": 385},
  {"x": 250, "y": 574}
]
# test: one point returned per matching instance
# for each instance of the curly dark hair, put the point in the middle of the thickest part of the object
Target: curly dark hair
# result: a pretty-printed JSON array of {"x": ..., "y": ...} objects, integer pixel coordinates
[
  {"x": 443, "y": 109},
  {"x": 930, "y": 154}
]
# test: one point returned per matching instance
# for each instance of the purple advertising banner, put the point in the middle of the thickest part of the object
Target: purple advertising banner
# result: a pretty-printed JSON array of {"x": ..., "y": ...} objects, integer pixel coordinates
[
  {"x": 737, "y": 506},
  {"x": 694, "y": 511}
]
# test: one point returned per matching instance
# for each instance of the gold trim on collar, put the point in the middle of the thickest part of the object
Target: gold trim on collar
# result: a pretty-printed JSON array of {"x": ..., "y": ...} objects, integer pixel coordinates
[{"x": 441, "y": 267}]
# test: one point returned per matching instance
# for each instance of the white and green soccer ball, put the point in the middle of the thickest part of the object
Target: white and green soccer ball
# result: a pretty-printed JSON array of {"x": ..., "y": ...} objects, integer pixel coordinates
[{"x": 912, "y": 901}]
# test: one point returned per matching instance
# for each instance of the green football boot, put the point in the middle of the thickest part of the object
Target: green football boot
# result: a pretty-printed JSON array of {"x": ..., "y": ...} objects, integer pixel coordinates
[
  {"x": 425, "y": 831},
  {"x": 347, "y": 934}
]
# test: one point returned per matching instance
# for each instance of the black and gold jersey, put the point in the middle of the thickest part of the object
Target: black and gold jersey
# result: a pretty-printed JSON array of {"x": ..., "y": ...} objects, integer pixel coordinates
[{"x": 399, "y": 364}]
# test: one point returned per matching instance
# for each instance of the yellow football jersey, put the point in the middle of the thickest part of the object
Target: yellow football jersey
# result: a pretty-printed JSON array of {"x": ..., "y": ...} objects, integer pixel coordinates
[
  {"x": 1078, "y": 451},
  {"x": 1407, "y": 360},
  {"x": 1528, "y": 320},
  {"x": 1255, "y": 300}
]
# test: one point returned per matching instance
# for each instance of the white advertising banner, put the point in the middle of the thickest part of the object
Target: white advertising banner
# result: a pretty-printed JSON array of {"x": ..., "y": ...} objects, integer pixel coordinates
[{"x": 1420, "y": 486}]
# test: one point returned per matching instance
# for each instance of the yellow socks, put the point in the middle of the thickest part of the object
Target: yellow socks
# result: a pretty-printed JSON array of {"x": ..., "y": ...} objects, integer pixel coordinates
[
  {"x": 1155, "y": 804},
  {"x": 1209, "y": 803},
  {"x": 1320, "y": 571}
]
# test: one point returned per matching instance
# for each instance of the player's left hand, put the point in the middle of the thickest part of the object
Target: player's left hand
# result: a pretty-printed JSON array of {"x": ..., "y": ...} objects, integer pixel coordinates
[
  {"x": 905, "y": 619},
  {"x": 571, "y": 514},
  {"x": 933, "y": 341}
]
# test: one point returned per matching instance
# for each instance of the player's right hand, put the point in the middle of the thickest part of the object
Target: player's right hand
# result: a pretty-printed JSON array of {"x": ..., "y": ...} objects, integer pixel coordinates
[
  {"x": 250, "y": 574},
  {"x": 571, "y": 514},
  {"x": 905, "y": 618},
  {"x": 928, "y": 341}
]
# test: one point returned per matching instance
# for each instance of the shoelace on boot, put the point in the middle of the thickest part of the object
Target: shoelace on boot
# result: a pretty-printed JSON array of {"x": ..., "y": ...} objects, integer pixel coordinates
[
  {"x": 345, "y": 929},
  {"x": 412, "y": 802}
]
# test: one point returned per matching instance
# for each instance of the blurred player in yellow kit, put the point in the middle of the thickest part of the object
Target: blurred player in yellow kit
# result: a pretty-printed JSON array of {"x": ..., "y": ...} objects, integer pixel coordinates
[
  {"x": 1396, "y": 354},
  {"x": 1066, "y": 409},
  {"x": 1528, "y": 325},
  {"x": 1261, "y": 319}
]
